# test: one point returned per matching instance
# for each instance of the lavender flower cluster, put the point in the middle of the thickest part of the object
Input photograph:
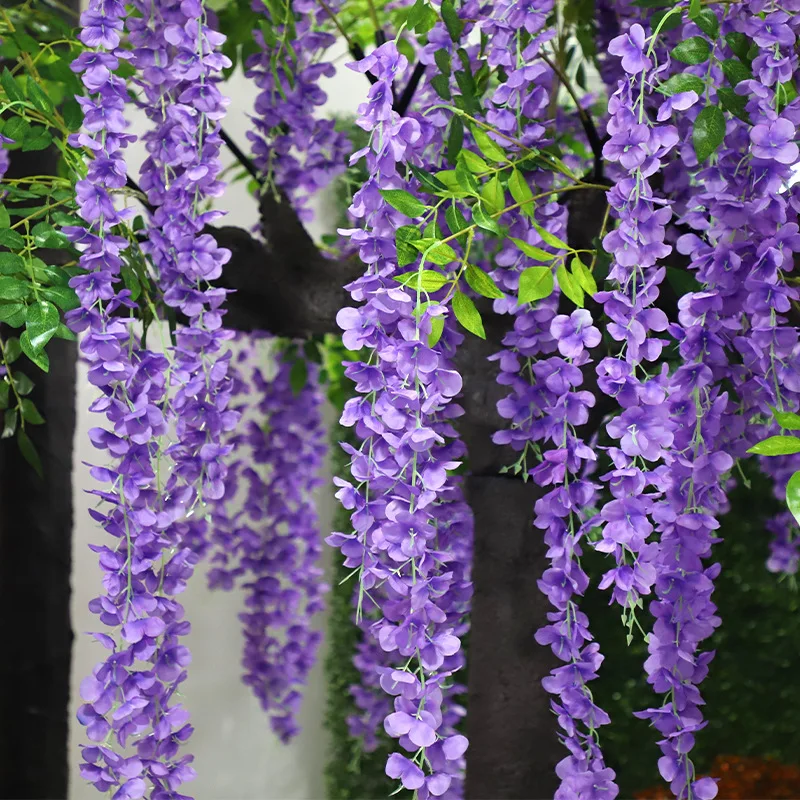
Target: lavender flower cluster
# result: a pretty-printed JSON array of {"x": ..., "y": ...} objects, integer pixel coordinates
[
  {"x": 156, "y": 482},
  {"x": 265, "y": 531}
]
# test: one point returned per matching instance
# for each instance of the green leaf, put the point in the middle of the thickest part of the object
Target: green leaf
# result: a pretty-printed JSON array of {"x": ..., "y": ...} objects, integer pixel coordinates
[
  {"x": 443, "y": 62},
  {"x": 787, "y": 420},
  {"x": 404, "y": 202},
  {"x": 466, "y": 84},
  {"x": 683, "y": 82},
  {"x": 735, "y": 103},
  {"x": 11, "y": 87},
  {"x": 73, "y": 115},
  {"x": 707, "y": 21},
  {"x": 493, "y": 195},
  {"x": 5, "y": 387},
  {"x": 483, "y": 220},
  {"x": 569, "y": 286},
  {"x": 64, "y": 297},
  {"x": 455, "y": 139},
  {"x": 39, "y": 357},
  {"x": 428, "y": 181},
  {"x": 23, "y": 384},
  {"x": 426, "y": 280},
  {"x": 521, "y": 192},
  {"x": 708, "y": 132},
  {"x": 465, "y": 178},
  {"x": 39, "y": 99},
  {"x": 11, "y": 264},
  {"x": 682, "y": 282},
  {"x": 298, "y": 375},
  {"x": 694, "y": 50},
  {"x": 487, "y": 146},
  {"x": 38, "y": 139},
  {"x": 735, "y": 71},
  {"x": 403, "y": 238},
  {"x": 12, "y": 350},
  {"x": 415, "y": 14},
  {"x": 549, "y": 238},
  {"x": 5, "y": 220},
  {"x": 739, "y": 45},
  {"x": 14, "y": 289},
  {"x": 29, "y": 453},
  {"x": 793, "y": 496},
  {"x": 777, "y": 446},
  {"x": 452, "y": 22},
  {"x": 12, "y": 314},
  {"x": 584, "y": 276},
  {"x": 10, "y": 420},
  {"x": 436, "y": 252},
  {"x": 533, "y": 251},
  {"x": 455, "y": 220},
  {"x": 535, "y": 283},
  {"x": 694, "y": 9},
  {"x": 482, "y": 284},
  {"x": 11, "y": 239},
  {"x": 16, "y": 128},
  {"x": 30, "y": 413},
  {"x": 437, "y": 328},
  {"x": 467, "y": 314},
  {"x": 45, "y": 235},
  {"x": 474, "y": 162},
  {"x": 441, "y": 85},
  {"x": 41, "y": 322}
]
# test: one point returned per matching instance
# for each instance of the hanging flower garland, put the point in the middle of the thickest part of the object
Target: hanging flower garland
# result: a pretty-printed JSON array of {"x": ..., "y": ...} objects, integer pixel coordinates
[{"x": 149, "y": 562}]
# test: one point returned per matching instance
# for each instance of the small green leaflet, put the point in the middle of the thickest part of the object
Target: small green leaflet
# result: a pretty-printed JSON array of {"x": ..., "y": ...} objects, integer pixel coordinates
[
  {"x": 493, "y": 195},
  {"x": 474, "y": 162},
  {"x": 436, "y": 252},
  {"x": 487, "y": 146},
  {"x": 13, "y": 289},
  {"x": 29, "y": 453},
  {"x": 569, "y": 286},
  {"x": 707, "y": 21},
  {"x": 533, "y": 251},
  {"x": 735, "y": 71},
  {"x": 464, "y": 177},
  {"x": 483, "y": 220},
  {"x": 5, "y": 220},
  {"x": 793, "y": 496},
  {"x": 535, "y": 283},
  {"x": 787, "y": 420},
  {"x": 39, "y": 357},
  {"x": 11, "y": 239},
  {"x": 298, "y": 375},
  {"x": 467, "y": 314},
  {"x": 682, "y": 82},
  {"x": 403, "y": 238},
  {"x": 549, "y": 238},
  {"x": 39, "y": 99},
  {"x": 735, "y": 103},
  {"x": 426, "y": 280},
  {"x": 451, "y": 20},
  {"x": 404, "y": 202},
  {"x": 455, "y": 139},
  {"x": 455, "y": 219},
  {"x": 708, "y": 132},
  {"x": 777, "y": 446},
  {"x": 41, "y": 323},
  {"x": 481, "y": 283},
  {"x": 437, "y": 328},
  {"x": 12, "y": 314},
  {"x": 694, "y": 50},
  {"x": 12, "y": 89},
  {"x": 584, "y": 276},
  {"x": 11, "y": 264},
  {"x": 30, "y": 413},
  {"x": 521, "y": 192},
  {"x": 428, "y": 181},
  {"x": 739, "y": 45}
]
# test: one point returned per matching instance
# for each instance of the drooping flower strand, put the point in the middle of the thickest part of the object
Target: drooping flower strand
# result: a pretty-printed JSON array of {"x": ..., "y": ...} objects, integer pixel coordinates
[
  {"x": 266, "y": 535},
  {"x": 129, "y": 699},
  {"x": 294, "y": 149},
  {"x": 400, "y": 470}
]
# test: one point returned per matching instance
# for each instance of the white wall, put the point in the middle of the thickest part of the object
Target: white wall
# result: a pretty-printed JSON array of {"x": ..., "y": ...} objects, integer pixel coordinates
[{"x": 237, "y": 756}]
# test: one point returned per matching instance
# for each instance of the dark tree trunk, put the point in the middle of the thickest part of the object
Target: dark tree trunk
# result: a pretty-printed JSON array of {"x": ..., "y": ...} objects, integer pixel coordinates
[{"x": 35, "y": 568}]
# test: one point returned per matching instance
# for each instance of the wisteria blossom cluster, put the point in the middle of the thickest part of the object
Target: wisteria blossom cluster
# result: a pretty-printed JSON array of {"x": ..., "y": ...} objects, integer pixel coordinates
[
  {"x": 638, "y": 362},
  {"x": 265, "y": 531}
]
